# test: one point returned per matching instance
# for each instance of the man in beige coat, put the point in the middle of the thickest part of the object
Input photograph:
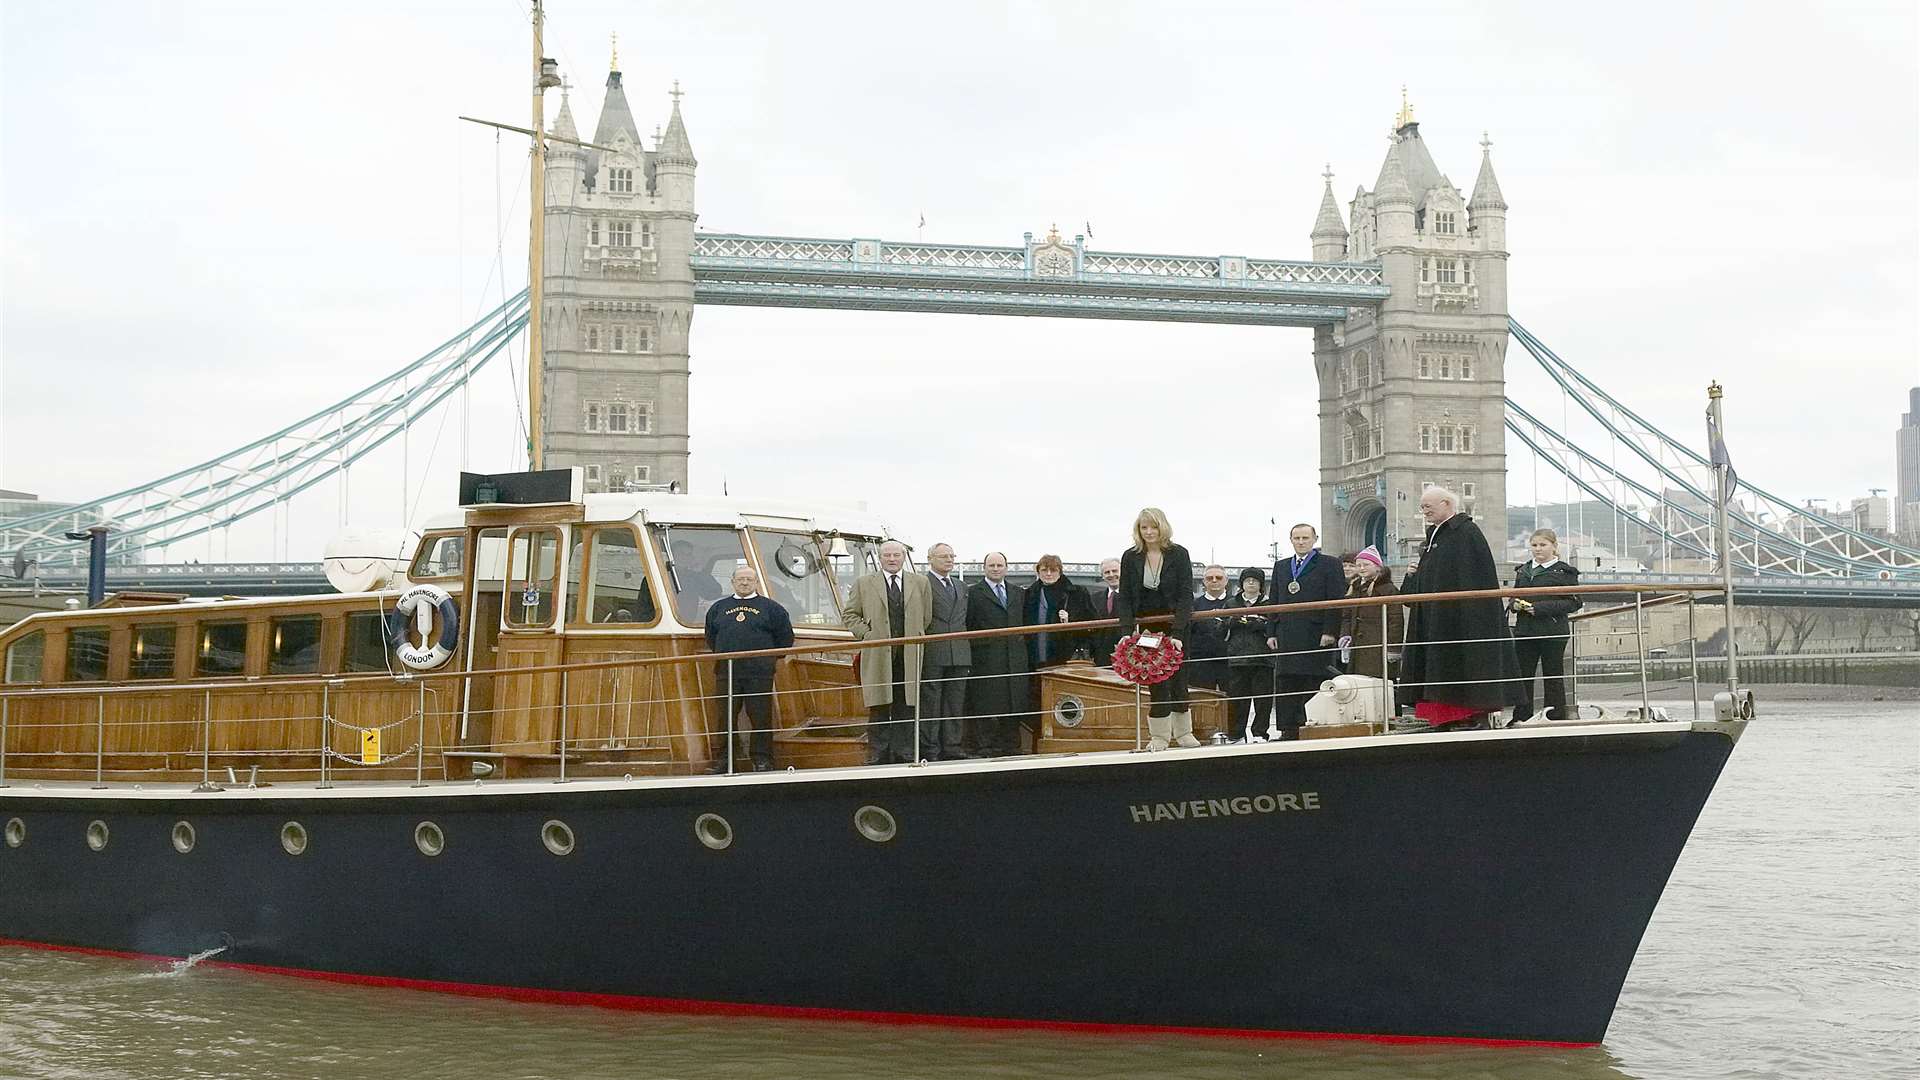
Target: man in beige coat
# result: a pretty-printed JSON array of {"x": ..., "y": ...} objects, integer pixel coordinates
[{"x": 890, "y": 604}]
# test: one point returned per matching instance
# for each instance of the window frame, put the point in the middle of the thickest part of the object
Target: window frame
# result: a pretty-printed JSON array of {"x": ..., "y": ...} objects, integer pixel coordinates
[
  {"x": 202, "y": 644},
  {"x": 580, "y": 599},
  {"x": 135, "y": 641},
  {"x": 319, "y": 640},
  {"x": 425, "y": 547},
  {"x": 39, "y": 636},
  {"x": 343, "y": 665},
  {"x": 515, "y": 584},
  {"x": 1427, "y": 438},
  {"x": 106, "y": 653}
]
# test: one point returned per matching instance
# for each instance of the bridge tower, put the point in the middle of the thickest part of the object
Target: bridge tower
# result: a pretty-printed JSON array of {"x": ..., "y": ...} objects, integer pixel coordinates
[
  {"x": 1413, "y": 392},
  {"x": 619, "y": 297}
]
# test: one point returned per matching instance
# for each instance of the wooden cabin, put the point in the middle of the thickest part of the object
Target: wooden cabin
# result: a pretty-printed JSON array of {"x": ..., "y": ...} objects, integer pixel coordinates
[{"x": 169, "y": 691}]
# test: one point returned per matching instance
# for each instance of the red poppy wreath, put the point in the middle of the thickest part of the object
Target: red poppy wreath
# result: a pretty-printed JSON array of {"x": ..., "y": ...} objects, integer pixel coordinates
[{"x": 1141, "y": 664}]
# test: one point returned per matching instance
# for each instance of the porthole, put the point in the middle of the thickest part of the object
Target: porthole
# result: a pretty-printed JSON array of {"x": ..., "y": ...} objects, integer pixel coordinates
[
  {"x": 183, "y": 836},
  {"x": 713, "y": 831},
  {"x": 875, "y": 823},
  {"x": 293, "y": 838},
  {"x": 1069, "y": 711},
  {"x": 16, "y": 832},
  {"x": 429, "y": 839},
  {"x": 558, "y": 836},
  {"x": 97, "y": 835}
]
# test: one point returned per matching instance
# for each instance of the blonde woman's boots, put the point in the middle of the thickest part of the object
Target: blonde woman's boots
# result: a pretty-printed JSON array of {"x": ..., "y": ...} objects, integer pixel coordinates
[
  {"x": 1160, "y": 728},
  {"x": 1183, "y": 728}
]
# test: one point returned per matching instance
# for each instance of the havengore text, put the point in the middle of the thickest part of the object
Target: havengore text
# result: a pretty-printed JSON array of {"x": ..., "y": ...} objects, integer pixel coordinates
[{"x": 1234, "y": 806}]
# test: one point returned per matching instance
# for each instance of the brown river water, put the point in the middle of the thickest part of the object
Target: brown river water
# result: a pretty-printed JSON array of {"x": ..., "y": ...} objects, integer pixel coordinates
[{"x": 1787, "y": 945}]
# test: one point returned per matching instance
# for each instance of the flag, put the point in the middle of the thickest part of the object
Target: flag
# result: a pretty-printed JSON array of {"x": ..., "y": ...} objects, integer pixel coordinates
[
  {"x": 1089, "y": 230},
  {"x": 1717, "y": 453},
  {"x": 923, "y": 219}
]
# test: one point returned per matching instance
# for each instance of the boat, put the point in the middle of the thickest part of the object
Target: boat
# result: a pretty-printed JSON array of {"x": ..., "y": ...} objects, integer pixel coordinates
[{"x": 497, "y": 768}]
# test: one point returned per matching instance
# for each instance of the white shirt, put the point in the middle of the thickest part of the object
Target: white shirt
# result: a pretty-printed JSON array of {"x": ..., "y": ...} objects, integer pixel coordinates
[{"x": 749, "y": 596}]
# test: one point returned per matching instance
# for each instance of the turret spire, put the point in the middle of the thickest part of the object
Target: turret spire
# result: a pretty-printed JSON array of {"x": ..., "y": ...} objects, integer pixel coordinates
[
  {"x": 1329, "y": 225},
  {"x": 1486, "y": 188},
  {"x": 674, "y": 144}
]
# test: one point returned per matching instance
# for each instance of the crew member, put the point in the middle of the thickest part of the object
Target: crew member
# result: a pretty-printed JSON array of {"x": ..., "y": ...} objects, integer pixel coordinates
[{"x": 747, "y": 622}]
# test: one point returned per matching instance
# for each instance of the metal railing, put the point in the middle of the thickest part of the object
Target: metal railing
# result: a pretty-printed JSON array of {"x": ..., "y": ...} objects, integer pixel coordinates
[{"x": 147, "y": 708}]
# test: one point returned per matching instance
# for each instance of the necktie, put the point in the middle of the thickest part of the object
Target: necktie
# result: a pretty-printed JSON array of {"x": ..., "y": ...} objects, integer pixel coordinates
[
  {"x": 1109, "y": 601},
  {"x": 1000, "y": 593},
  {"x": 893, "y": 587}
]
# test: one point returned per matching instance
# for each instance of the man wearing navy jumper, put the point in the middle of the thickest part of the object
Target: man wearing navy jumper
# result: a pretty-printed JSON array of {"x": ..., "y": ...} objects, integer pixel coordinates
[{"x": 747, "y": 622}]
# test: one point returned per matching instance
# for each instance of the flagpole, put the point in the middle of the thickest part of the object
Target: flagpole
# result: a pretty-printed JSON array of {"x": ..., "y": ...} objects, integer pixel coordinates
[{"x": 1723, "y": 533}]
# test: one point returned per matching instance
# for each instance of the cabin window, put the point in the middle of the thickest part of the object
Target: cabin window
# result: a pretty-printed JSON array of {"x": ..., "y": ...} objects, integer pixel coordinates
[
  {"x": 223, "y": 648},
  {"x": 153, "y": 652},
  {"x": 700, "y": 562},
  {"x": 24, "y": 657},
  {"x": 440, "y": 556},
  {"x": 366, "y": 646},
  {"x": 87, "y": 653},
  {"x": 294, "y": 646},
  {"x": 616, "y": 583},
  {"x": 534, "y": 560},
  {"x": 796, "y": 576}
]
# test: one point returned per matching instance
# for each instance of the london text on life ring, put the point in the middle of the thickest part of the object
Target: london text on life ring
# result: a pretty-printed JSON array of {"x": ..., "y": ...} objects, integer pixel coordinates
[{"x": 419, "y": 605}]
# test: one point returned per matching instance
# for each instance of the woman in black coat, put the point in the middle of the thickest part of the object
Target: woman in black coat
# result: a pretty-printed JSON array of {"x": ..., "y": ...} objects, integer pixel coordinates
[
  {"x": 1051, "y": 600},
  {"x": 1459, "y": 664},
  {"x": 1249, "y": 662},
  {"x": 1304, "y": 641},
  {"x": 1156, "y": 578},
  {"x": 1540, "y": 625}
]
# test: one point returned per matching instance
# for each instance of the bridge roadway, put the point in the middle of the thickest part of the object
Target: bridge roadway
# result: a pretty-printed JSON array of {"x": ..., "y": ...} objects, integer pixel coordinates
[{"x": 303, "y": 578}]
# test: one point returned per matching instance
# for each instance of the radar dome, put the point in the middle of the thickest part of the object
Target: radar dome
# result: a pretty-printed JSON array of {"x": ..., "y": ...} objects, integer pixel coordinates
[{"x": 363, "y": 560}]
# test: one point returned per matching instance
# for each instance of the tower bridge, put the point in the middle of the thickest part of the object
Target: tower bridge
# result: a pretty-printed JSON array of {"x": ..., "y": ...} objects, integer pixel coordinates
[{"x": 1404, "y": 293}]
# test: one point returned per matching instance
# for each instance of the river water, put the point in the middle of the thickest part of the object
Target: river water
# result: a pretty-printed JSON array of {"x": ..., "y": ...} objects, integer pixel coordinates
[{"x": 1787, "y": 945}]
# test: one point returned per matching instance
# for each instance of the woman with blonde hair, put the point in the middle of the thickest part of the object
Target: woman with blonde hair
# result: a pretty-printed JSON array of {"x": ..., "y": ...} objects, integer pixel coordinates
[
  {"x": 1540, "y": 625},
  {"x": 1156, "y": 578}
]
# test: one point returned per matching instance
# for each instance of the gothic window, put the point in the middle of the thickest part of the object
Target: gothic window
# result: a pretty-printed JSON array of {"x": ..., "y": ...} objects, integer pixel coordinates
[
  {"x": 619, "y": 338},
  {"x": 593, "y": 339},
  {"x": 1346, "y": 448},
  {"x": 616, "y": 477},
  {"x": 642, "y": 337},
  {"x": 1426, "y": 271},
  {"x": 617, "y": 418},
  {"x": 1449, "y": 271},
  {"x": 1446, "y": 439},
  {"x": 1466, "y": 440},
  {"x": 1466, "y": 271},
  {"x": 594, "y": 476},
  {"x": 620, "y": 181},
  {"x": 642, "y": 474},
  {"x": 593, "y": 232},
  {"x": 1467, "y": 490},
  {"x": 1362, "y": 368},
  {"x": 1426, "y": 365},
  {"x": 1376, "y": 436},
  {"x": 646, "y": 235},
  {"x": 1426, "y": 438},
  {"x": 620, "y": 233},
  {"x": 1446, "y": 367},
  {"x": 642, "y": 417},
  {"x": 1466, "y": 367},
  {"x": 595, "y": 418},
  {"x": 1444, "y": 223}
]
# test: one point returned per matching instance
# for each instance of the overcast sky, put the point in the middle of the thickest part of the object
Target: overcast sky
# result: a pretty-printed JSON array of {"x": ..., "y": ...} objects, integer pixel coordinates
[{"x": 219, "y": 216}]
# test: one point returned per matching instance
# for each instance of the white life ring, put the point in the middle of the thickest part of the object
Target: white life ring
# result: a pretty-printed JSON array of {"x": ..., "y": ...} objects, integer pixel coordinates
[{"x": 419, "y": 605}]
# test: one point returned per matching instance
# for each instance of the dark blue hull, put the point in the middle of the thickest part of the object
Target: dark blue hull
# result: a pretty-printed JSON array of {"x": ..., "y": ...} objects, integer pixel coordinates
[{"x": 1489, "y": 886}]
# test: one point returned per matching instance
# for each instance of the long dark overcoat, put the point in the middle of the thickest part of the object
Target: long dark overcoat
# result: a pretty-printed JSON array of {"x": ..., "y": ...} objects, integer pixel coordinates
[
  {"x": 1299, "y": 634},
  {"x": 1458, "y": 651},
  {"x": 997, "y": 682}
]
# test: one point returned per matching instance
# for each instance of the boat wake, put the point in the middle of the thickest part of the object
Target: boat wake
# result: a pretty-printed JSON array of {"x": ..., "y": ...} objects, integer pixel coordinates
[{"x": 181, "y": 967}]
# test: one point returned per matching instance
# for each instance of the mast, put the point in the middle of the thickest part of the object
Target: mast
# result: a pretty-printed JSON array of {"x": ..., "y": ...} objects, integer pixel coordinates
[
  {"x": 1723, "y": 534},
  {"x": 544, "y": 75}
]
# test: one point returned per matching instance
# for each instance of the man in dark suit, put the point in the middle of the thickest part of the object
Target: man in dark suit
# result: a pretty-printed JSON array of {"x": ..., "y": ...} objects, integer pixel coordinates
[
  {"x": 1105, "y": 599},
  {"x": 1207, "y": 641},
  {"x": 1304, "y": 641},
  {"x": 997, "y": 690},
  {"x": 943, "y": 672}
]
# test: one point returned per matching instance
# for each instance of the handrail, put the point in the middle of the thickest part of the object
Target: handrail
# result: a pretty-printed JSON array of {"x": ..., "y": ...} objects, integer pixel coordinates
[
  {"x": 1617, "y": 609},
  {"x": 851, "y": 645}
]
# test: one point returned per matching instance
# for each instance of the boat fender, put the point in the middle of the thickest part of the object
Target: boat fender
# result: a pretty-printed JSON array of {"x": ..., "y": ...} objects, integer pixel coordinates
[{"x": 418, "y": 605}]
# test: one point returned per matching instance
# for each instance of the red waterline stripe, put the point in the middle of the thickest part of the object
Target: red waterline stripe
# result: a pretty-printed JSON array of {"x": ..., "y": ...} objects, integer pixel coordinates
[{"x": 696, "y": 1007}]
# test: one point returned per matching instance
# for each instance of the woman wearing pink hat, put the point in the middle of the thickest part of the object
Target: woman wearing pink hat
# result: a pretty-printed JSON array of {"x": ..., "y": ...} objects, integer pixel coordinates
[{"x": 1360, "y": 630}]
